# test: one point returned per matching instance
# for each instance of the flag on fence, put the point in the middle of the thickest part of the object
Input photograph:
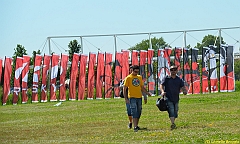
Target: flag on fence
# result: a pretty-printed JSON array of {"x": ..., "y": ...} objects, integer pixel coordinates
[
  {"x": 100, "y": 74},
  {"x": 17, "y": 77},
  {"x": 108, "y": 76},
  {"x": 82, "y": 77},
  {"x": 45, "y": 73},
  {"x": 7, "y": 78},
  {"x": 36, "y": 77},
  {"x": 63, "y": 72},
  {"x": 25, "y": 71}
]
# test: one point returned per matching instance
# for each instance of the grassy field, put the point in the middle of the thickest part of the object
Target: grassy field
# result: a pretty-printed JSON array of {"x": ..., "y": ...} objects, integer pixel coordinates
[{"x": 209, "y": 118}]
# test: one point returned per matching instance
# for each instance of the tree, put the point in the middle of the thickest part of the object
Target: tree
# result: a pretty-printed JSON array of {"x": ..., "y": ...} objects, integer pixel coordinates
[
  {"x": 209, "y": 40},
  {"x": 19, "y": 51},
  {"x": 156, "y": 44},
  {"x": 74, "y": 47},
  {"x": 237, "y": 69}
]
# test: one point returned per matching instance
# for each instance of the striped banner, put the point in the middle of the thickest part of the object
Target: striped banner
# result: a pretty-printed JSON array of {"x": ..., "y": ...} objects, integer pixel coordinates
[
  {"x": 17, "y": 77},
  {"x": 63, "y": 72},
  {"x": 45, "y": 73},
  {"x": 36, "y": 77}
]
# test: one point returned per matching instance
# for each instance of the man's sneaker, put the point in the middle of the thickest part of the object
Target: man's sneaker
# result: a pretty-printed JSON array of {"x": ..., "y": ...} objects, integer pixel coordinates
[
  {"x": 173, "y": 126},
  {"x": 136, "y": 129},
  {"x": 130, "y": 125}
]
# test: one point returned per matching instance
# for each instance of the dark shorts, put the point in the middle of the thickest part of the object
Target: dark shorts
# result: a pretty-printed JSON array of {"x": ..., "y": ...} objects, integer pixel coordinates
[
  {"x": 136, "y": 107},
  {"x": 172, "y": 109}
]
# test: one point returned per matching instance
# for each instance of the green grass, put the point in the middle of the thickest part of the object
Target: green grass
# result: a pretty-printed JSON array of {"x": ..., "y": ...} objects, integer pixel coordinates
[{"x": 202, "y": 118}]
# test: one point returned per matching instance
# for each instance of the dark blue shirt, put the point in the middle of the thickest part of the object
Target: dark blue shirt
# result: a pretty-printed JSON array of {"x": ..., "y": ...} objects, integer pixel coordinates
[{"x": 172, "y": 87}]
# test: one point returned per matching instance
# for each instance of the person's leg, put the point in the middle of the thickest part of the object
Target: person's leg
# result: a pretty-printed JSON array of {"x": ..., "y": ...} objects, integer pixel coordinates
[
  {"x": 139, "y": 112},
  {"x": 133, "y": 107},
  {"x": 129, "y": 115},
  {"x": 171, "y": 113}
]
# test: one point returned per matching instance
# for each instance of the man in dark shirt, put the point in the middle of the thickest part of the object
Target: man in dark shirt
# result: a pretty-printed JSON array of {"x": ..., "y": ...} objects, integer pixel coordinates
[{"x": 170, "y": 87}]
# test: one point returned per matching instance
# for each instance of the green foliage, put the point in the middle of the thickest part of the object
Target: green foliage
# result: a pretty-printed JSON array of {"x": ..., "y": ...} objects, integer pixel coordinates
[
  {"x": 74, "y": 47},
  {"x": 202, "y": 118},
  {"x": 209, "y": 40},
  {"x": 237, "y": 69},
  {"x": 156, "y": 44},
  {"x": 19, "y": 51}
]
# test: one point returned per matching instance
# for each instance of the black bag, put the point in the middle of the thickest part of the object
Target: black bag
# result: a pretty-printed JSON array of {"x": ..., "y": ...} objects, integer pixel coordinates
[
  {"x": 161, "y": 103},
  {"x": 121, "y": 93}
]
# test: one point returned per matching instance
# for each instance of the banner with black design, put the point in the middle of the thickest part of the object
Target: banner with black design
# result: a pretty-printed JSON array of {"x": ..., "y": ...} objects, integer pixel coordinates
[
  {"x": 177, "y": 60},
  {"x": 117, "y": 74},
  {"x": 227, "y": 80},
  {"x": 108, "y": 76},
  {"x": 195, "y": 86},
  {"x": 91, "y": 75},
  {"x": 134, "y": 58},
  {"x": 151, "y": 79},
  {"x": 125, "y": 63},
  {"x": 213, "y": 69},
  {"x": 187, "y": 70},
  {"x": 205, "y": 70}
]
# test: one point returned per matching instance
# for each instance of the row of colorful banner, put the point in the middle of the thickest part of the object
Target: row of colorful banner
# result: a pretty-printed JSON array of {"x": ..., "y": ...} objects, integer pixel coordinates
[{"x": 105, "y": 83}]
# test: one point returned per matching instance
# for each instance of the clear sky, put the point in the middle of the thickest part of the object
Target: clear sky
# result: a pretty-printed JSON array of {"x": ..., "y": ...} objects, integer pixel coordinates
[{"x": 30, "y": 22}]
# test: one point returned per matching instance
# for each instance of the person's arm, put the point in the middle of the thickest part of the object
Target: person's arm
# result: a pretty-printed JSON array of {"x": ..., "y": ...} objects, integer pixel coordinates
[
  {"x": 145, "y": 91},
  {"x": 125, "y": 94},
  {"x": 184, "y": 90},
  {"x": 163, "y": 93}
]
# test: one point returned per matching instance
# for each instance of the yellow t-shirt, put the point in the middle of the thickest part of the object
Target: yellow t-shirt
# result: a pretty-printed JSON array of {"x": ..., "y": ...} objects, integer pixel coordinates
[{"x": 134, "y": 84}]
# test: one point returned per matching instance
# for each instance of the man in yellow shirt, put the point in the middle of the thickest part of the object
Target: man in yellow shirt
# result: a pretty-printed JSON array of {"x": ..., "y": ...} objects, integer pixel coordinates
[{"x": 135, "y": 86}]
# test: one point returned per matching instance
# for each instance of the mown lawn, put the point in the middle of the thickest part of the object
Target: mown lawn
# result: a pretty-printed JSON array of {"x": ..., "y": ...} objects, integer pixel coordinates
[{"x": 205, "y": 118}]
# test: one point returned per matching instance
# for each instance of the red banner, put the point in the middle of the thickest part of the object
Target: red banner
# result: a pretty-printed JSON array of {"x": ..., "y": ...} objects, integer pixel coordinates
[
  {"x": 54, "y": 74},
  {"x": 17, "y": 77},
  {"x": 36, "y": 76},
  {"x": 177, "y": 60},
  {"x": 7, "y": 78},
  {"x": 135, "y": 57},
  {"x": 63, "y": 72},
  {"x": 25, "y": 71},
  {"x": 108, "y": 76},
  {"x": 100, "y": 75},
  {"x": 1, "y": 70},
  {"x": 73, "y": 77},
  {"x": 117, "y": 74},
  {"x": 143, "y": 60},
  {"x": 125, "y": 63},
  {"x": 82, "y": 77},
  {"x": 91, "y": 75},
  {"x": 151, "y": 79},
  {"x": 45, "y": 72}
]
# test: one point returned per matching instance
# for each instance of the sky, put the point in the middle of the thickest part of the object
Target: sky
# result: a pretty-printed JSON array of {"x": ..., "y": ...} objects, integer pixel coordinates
[{"x": 30, "y": 22}]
